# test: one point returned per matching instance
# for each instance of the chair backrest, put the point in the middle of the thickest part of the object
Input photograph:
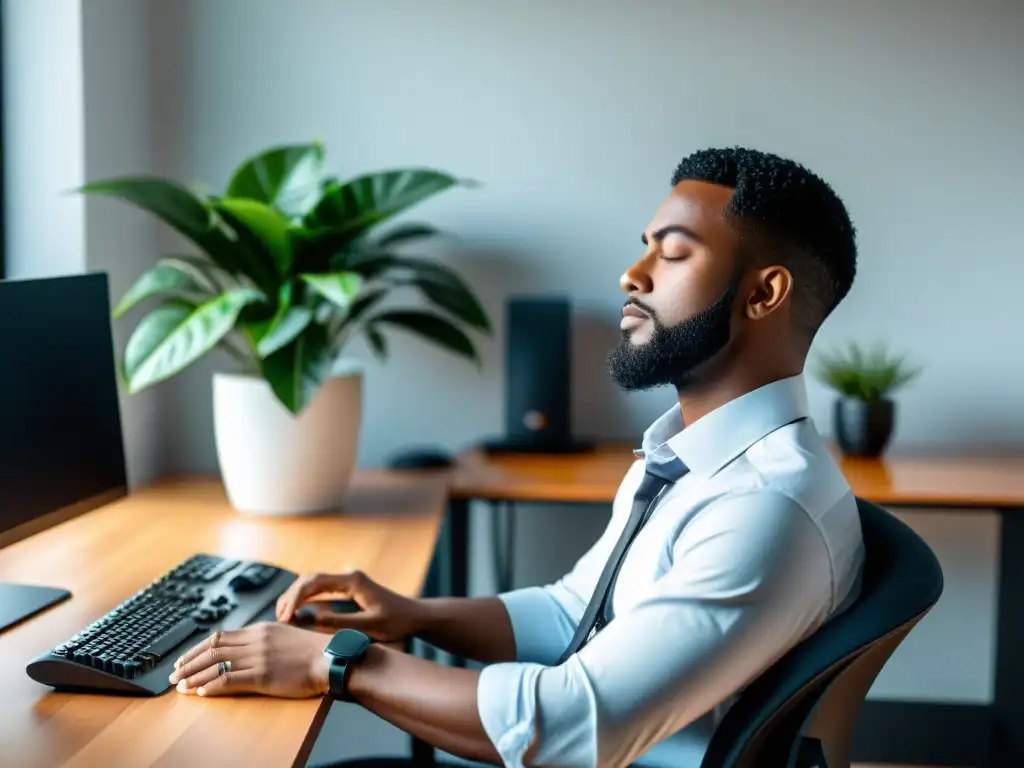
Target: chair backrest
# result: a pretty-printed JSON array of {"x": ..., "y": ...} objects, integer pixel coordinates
[{"x": 802, "y": 710}]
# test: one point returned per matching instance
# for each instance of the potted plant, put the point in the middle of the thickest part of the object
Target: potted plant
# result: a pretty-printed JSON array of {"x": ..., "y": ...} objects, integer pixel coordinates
[
  {"x": 290, "y": 268},
  {"x": 864, "y": 412}
]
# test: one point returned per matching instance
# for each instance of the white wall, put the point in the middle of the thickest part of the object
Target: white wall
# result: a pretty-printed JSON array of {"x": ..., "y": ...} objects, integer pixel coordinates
[
  {"x": 78, "y": 104},
  {"x": 44, "y": 152},
  {"x": 124, "y": 110},
  {"x": 573, "y": 115}
]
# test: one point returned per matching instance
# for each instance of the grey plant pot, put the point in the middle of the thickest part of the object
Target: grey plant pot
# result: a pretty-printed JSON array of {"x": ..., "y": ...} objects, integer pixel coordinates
[{"x": 864, "y": 428}]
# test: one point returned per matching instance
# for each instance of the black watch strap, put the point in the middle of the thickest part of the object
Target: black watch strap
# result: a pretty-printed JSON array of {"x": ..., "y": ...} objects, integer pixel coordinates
[
  {"x": 346, "y": 648},
  {"x": 337, "y": 679}
]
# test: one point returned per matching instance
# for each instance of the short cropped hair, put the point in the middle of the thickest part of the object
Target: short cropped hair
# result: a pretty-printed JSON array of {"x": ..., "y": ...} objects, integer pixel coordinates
[{"x": 788, "y": 215}]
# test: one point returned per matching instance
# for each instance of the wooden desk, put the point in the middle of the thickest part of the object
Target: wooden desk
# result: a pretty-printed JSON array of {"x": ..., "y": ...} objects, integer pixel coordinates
[
  {"x": 389, "y": 531},
  {"x": 594, "y": 477},
  {"x": 897, "y": 482},
  {"x": 572, "y": 478}
]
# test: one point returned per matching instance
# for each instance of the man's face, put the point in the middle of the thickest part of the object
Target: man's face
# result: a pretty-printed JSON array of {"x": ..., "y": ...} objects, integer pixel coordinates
[{"x": 680, "y": 293}]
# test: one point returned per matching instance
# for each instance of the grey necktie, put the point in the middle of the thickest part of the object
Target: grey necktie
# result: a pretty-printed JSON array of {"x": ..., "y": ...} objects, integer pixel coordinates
[{"x": 657, "y": 477}]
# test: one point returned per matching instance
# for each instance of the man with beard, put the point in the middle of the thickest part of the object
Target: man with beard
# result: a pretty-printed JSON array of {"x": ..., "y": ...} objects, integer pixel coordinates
[{"x": 733, "y": 536}]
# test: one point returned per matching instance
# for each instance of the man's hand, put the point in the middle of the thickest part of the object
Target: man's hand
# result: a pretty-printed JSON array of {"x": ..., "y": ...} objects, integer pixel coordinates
[
  {"x": 267, "y": 658},
  {"x": 384, "y": 615}
]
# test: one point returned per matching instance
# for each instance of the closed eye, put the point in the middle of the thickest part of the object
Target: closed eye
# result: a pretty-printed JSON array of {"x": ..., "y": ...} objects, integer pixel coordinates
[
  {"x": 675, "y": 245},
  {"x": 675, "y": 249}
]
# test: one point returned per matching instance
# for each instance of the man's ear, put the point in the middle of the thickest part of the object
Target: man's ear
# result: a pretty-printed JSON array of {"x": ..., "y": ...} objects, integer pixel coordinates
[{"x": 767, "y": 290}]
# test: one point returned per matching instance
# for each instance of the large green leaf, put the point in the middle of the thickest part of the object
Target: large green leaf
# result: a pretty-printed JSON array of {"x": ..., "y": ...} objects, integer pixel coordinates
[
  {"x": 353, "y": 207},
  {"x": 271, "y": 335},
  {"x": 174, "y": 205},
  {"x": 167, "y": 200},
  {"x": 404, "y": 233},
  {"x": 296, "y": 371},
  {"x": 286, "y": 177},
  {"x": 266, "y": 224},
  {"x": 341, "y": 328},
  {"x": 268, "y": 328},
  {"x": 149, "y": 333},
  {"x": 455, "y": 300},
  {"x": 377, "y": 342},
  {"x": 432, "y": 327},
  {"x": 365, "y": 303},
  {"x": 256, "y": 256},
  {"x": 199, "y": 268},
  {"x": 339, "y": 288},
  {"x": 161, "y": 280},
  {"x": 173, "y": 336},
  {"x": 441, "y": 285}
]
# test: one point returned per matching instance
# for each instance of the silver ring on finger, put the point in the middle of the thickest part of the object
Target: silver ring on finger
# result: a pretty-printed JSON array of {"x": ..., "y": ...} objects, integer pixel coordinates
[{"x": 223, "y": 667}]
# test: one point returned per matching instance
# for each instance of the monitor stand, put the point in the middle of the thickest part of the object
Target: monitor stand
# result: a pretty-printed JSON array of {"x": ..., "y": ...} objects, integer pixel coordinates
[{"x": 22, "y": 601}]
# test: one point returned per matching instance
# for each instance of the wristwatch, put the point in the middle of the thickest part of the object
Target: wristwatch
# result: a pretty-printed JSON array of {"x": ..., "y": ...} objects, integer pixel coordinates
[{"x": 346, "y": 648}]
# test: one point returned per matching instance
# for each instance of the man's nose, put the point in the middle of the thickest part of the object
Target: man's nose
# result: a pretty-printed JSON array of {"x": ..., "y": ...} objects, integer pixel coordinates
[{"x": 636, "y": 279}]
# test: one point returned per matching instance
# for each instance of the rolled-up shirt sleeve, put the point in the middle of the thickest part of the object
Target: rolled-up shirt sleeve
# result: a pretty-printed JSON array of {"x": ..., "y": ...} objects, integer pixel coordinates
[
  {"x": 544, "y": 619},
  {"x": 750, "y": 576},
  {"x": 542, "y": 624}
]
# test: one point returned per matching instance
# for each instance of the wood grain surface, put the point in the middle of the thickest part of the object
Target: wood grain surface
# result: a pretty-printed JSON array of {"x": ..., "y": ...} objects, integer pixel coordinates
[
  {"x": 595, "y": 477},
  {"x": 388, "y": 529}
]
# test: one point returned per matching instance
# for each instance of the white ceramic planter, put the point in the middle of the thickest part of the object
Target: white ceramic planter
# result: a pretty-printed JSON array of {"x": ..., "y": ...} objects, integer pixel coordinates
[{"x": 275, "y": 463}]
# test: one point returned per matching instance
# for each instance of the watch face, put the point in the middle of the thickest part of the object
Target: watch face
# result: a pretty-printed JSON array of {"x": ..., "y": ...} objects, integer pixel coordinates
[{"x": 348, "y": 643}]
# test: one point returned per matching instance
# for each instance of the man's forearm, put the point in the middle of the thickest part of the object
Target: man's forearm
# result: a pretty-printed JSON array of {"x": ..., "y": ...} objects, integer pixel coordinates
[
  {"x": 475, "y": 628},
  {"x": 434, "y": 703}
]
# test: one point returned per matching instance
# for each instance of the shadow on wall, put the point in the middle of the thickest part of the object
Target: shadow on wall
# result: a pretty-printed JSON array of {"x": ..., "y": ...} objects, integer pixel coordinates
[
  {"x": 456, "y": 405},
  {"x": 493, "y": 273}
]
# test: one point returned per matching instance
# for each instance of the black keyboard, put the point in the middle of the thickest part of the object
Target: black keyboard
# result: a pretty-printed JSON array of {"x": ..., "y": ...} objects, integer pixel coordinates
[{"x": 132, "y": 648}]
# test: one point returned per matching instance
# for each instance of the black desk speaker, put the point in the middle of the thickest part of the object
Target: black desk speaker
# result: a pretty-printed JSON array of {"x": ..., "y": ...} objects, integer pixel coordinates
[{"x": 538, "y": 378}]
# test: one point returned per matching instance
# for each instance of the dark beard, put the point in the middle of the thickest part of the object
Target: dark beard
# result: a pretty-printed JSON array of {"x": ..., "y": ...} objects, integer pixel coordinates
[{"x": 671, "y": 355}]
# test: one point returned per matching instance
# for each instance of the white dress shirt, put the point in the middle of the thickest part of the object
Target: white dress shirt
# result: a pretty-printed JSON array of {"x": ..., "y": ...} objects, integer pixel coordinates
[{"x": 751, "y": 551}]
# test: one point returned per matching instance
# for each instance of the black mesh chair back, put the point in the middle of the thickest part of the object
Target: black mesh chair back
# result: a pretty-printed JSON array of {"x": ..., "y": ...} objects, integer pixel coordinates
[{"x": 801, "y": 712}]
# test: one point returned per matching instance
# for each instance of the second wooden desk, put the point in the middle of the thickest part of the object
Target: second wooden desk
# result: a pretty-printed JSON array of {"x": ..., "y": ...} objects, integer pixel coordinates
[{"x": 912, "y": 733}]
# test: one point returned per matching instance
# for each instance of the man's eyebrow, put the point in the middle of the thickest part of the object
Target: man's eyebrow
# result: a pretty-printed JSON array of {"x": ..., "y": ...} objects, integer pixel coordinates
[{"x": 679, "y": 228}]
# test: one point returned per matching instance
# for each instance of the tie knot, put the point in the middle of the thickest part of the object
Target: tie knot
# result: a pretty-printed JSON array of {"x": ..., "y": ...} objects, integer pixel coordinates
[
  {"x": 657, "y": 476},
  {"x": 672, "y": 471}
]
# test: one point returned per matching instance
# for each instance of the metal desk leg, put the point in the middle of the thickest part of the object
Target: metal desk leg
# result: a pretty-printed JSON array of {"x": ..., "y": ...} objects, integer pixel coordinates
[
  {"x": 1009, "y": 683},
  {"x": 504, "y": 516},
  {"x": 458, "y": 542},
  {"x": 458, "y": 555},
  {"x": 423, "y": 754}
]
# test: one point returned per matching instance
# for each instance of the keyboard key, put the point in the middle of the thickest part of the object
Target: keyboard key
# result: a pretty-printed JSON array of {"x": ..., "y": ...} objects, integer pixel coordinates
[{"x": 181, "y": 632}]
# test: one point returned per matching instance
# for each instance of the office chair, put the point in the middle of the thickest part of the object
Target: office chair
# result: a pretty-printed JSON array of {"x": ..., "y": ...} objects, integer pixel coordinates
[{"x": 800, "y": 713}]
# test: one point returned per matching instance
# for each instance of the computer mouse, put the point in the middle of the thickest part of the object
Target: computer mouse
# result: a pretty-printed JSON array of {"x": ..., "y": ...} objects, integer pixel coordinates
[
  {"x": 310, "y": 612},
  {"x": 243, "y": 583},
  {"x": 421, "y": 458}
]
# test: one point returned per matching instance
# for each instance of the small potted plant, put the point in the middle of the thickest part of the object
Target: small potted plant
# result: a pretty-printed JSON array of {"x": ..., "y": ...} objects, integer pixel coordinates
[
  {"x": 290, "y": 268},
  {"x": 864, "y": 414}
]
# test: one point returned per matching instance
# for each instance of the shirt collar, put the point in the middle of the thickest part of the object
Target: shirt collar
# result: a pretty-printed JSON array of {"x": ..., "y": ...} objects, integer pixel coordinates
[{"x": 714, "y": 440}]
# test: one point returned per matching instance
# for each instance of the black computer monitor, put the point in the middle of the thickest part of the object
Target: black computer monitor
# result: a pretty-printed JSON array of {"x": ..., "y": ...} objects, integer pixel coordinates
[{"x": 61, "y": 447}]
